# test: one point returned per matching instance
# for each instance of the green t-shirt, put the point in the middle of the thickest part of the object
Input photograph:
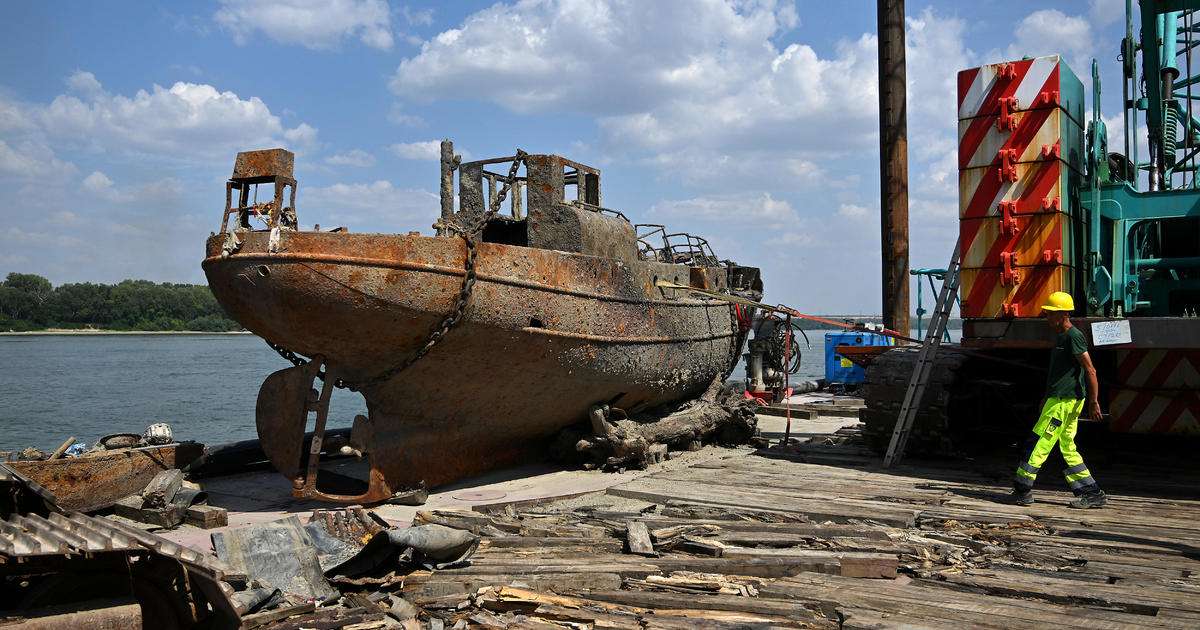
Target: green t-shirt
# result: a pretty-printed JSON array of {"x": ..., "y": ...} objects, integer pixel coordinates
[{"x": 1065, "y": 379}]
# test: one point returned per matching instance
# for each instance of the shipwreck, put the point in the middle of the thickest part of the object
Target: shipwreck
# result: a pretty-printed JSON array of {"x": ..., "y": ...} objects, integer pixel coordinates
[{"x": 531, "y": 305}]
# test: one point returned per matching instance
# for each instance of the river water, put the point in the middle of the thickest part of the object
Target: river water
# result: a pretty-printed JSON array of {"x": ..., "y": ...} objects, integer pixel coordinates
[{"x": 204, "y": 385}]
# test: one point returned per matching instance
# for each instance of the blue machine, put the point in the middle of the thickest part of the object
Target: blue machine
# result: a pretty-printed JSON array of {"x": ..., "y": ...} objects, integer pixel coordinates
[{"x": 838, "y": 369}]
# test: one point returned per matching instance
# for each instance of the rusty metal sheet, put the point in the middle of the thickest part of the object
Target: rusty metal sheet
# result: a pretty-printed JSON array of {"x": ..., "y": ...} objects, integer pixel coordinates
[
  {"x": 280, "y": 554},
  {"x": 20, "y": 494},
  {"x": 263, "y": 164},
  {"x": 281, "y": 413},
  {"x": 96, "y": 481}
]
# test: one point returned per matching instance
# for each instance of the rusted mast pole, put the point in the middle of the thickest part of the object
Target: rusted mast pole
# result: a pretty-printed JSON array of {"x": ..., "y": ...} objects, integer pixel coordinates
[
  {"x": 447, "y": 191},
  {"x": 893, "y": 165}
]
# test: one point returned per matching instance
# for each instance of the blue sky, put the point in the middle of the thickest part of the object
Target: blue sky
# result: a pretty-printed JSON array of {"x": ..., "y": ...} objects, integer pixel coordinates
[{"x": 751, "y": 122}]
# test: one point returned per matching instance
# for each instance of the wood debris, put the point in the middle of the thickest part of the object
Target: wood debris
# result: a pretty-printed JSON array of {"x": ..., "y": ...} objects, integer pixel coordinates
[{"x": 826, "y": 538}]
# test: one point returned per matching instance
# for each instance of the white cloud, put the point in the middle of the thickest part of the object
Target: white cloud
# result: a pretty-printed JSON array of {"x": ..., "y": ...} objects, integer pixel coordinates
[
  {"x": 316, "y": 24},
  {"x": 355, "y": 158},
  {"x": 101, "y": 186},
  {"x": 728, "y": 208},
  {"x": 1051, "y": 32},
  {"x": 33, "y": 161},
  {"x": 85, "y": 83},
  {"x": 428, "y": 150},
  {"x": 1105, "y": 12},
  {"x": 399, "y": 117},
  {"x": 302, "y": 135},
  {"x": 12, "y": 119},
  {"x": 423, "y": 17},
  {"x": 63, "y": 218},
  {"x": 686, "y": 95},
  {"x": 790, "y": 239},
  {"x": 379, "y": 205},
  {"x": 188, "y": 120},
  {"x": 852, "y": 211}
]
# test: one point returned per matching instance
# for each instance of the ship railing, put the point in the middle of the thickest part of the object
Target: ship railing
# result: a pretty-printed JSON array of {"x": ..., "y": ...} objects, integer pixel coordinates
[
  {"x": 583, "y": 205},
  {"x": 679, "y": 248}
]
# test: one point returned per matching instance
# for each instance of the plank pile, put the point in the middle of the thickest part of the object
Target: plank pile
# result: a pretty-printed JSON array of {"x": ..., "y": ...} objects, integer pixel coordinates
[
  {"x": 815, "y": 535},
  {"x": 818, "y": 536}
]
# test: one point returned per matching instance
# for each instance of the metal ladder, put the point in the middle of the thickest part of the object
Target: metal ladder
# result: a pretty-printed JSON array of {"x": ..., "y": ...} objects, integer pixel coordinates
[{"x": 920, "y": 375}]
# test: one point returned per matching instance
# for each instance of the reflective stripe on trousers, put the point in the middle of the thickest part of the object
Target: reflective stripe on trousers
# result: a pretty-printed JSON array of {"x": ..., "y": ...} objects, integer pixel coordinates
[{"x": 1056, "y": 425}]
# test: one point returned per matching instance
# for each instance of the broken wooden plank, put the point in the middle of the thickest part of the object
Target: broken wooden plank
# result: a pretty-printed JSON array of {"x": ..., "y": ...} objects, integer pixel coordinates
[
  {"x": 850, "y": 564},
  {"x": 207, "y": 516},
  {"x": 131, "y": 508},
  {"x": 943, "y": 603},
  {"x": 162, "y": 488},
  {"x": 263, "y": 618},
  {"x": 837, "y": 510},
  {"x": 793, "y": 609},
  {"x": 638, "y": 537},
  {"x": 448, "y": 583}
]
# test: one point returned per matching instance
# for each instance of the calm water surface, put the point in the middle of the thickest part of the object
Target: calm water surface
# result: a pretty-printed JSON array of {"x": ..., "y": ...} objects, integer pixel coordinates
[{"x": 204, "y": 385}]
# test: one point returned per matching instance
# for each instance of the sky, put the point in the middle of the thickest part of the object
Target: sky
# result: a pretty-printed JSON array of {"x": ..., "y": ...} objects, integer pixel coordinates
[{"x": 753, "y": 123}]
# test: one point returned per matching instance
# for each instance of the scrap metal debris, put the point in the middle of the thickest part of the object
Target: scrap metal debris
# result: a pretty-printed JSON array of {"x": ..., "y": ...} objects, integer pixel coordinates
[{"x": 63, "y": 564}]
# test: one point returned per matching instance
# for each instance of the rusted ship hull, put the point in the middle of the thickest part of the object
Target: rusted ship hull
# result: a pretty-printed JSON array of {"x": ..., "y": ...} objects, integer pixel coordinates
[
  {"x": 546, "y": 335},
  {"x": 517, "y": 324}
]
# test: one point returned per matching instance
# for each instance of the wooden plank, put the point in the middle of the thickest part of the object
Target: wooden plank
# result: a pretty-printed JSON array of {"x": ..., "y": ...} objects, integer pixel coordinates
[
  {"x": 593, "y": 618},
  {"x": 131, "y": 508},
  {"x": 795, "y": 609},
  {"x": 639, "y": 539},
  {"x": 647, "y": 489},
  {"x": 162, "y": 488},
  {"x": 940, "y": 602},
  {"x": 259, "y": 619},
  {"x": 608, "y": 545},
  {"x": 207, "y": 516},
  {"x": 1012, "y": 583},
  {"x": 864, "y": 619},
  {"x": 444, "y": 584},
  {"x": 627, "y": 566},
  {"x": 800, "y": 530},
  {"x": 859, "y": 565}
]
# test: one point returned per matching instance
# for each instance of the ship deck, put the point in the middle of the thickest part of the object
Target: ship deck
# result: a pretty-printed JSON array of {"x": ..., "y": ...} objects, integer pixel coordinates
[{"x": 815, "y": 534}]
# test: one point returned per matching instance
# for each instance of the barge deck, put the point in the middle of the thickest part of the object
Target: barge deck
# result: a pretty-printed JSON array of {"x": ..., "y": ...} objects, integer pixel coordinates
[{"x": 816, "y": 534}]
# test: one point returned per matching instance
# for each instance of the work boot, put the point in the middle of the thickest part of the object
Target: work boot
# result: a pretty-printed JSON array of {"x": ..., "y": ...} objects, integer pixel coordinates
[
  {"x": 1090, "y": 500},
  {"x": 1021, "y": 497}
]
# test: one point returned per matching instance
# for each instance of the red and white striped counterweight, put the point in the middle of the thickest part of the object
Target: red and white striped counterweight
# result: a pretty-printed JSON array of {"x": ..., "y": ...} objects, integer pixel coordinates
[{"x": 1020, "y": 158}]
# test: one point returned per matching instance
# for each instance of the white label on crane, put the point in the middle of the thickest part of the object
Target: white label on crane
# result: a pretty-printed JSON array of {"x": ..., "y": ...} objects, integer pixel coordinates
[{"x": 1109, "y": 333}]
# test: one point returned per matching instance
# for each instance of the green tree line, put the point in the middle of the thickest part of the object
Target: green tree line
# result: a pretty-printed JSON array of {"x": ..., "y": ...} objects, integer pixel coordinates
[{"x": 30, "y": 302}]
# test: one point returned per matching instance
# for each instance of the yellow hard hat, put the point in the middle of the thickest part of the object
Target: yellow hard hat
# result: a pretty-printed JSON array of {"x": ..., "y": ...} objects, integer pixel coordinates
[{"x": 1059, "y": 301}]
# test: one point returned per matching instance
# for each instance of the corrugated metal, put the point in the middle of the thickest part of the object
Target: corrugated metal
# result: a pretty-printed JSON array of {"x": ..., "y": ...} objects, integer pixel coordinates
[{"x": 25, "y": 539}]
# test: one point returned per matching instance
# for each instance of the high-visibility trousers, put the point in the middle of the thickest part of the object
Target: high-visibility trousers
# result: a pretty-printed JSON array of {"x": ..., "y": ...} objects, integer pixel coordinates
[{"x": 1056, "y": 425}]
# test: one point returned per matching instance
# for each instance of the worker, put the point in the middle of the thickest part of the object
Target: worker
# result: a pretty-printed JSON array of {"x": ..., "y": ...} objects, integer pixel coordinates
[{"x": 1071, "y": 376}]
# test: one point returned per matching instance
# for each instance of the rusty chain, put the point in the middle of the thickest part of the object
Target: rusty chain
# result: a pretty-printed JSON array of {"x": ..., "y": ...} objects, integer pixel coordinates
[{"x": 470, "y": 236}]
